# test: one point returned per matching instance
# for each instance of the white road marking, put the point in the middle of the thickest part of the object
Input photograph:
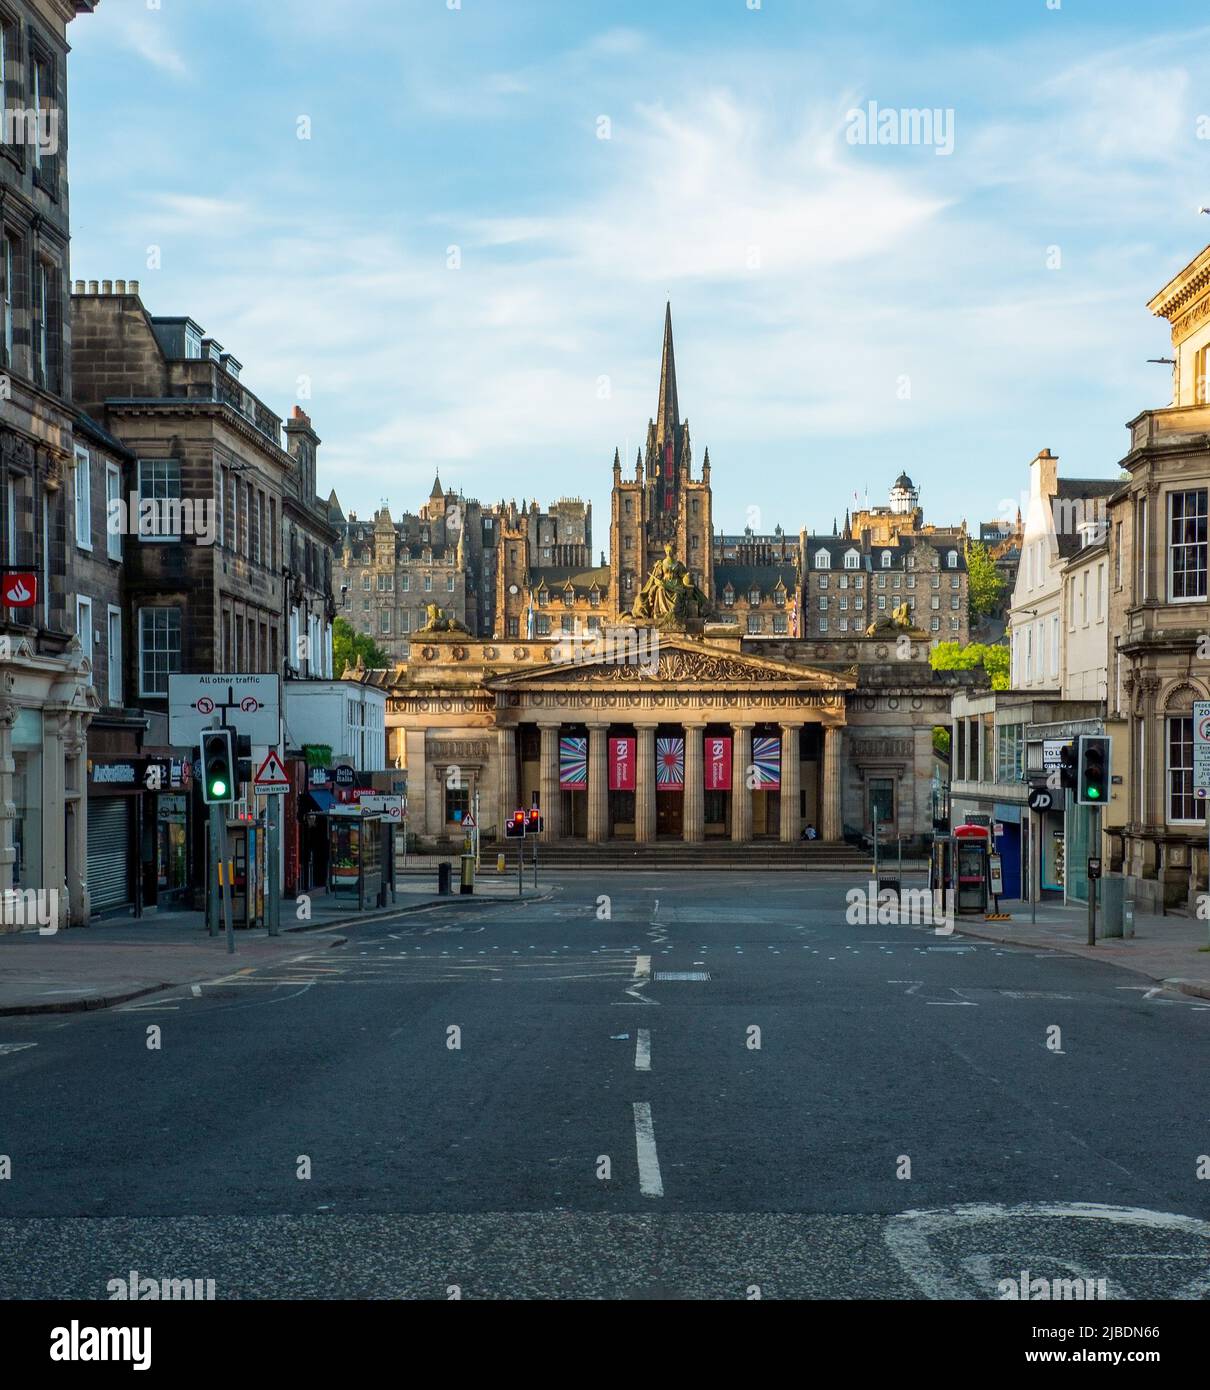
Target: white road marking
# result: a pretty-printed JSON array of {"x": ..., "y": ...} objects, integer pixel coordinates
[
  {"x": 197, "y": 991},
  {"x": 650, "y": 1182},
  {"x": 642, "y": 1050},
  {"x": 19, "y": 1047},
  {"x": 642, "y": 966},
  {"x": 908, "y": 1236}
]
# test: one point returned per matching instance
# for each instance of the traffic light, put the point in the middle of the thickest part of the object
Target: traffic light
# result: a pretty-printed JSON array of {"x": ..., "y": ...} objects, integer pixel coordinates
[
  {"x": 218, "y": 767},
  {"x": 1092, "y": 786},
  {"x": 535, "y": 821},
  {"x": 514, "y": 827},
  {"x": 243, "y": 754},
  {"x": 1067, "y": 765}
]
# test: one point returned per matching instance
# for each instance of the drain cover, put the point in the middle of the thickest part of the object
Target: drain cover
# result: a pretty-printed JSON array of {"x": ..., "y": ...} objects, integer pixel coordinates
[{"x": 682, "y": 974}]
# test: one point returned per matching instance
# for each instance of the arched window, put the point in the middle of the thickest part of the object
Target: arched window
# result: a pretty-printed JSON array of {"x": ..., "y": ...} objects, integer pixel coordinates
[
  {"x": 886, "y": 559},
  {"x": 952, "y": 559}
]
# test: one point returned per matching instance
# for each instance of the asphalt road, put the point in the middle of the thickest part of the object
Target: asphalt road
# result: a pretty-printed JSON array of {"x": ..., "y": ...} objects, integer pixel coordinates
[{"x": 903, "y": 1122}]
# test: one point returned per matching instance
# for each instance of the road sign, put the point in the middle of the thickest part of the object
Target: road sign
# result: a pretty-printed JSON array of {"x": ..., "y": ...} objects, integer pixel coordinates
[
  {"x": 389, "y": 807},
  {"x": 1040, "y": 799},
  {"x": 468, "y": 821},
  {"x": 271, "y": 776},
  {"x": 1094, "y": 868},
  {"x": 1201, "y": 743},
  {"x": 248, "y": 704}
]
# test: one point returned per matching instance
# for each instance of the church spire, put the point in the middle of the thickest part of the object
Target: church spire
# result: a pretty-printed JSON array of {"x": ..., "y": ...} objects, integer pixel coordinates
[{"x": 668, "y": 414}]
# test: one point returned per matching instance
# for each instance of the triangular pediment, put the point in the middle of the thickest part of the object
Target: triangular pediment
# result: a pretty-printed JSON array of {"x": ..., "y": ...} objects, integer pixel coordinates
[{"x": 623, "y": 656}]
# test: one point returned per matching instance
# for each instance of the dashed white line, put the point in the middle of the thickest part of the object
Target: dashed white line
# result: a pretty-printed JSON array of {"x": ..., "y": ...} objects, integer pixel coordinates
[
  {"x": 650, "y": 1182},
  {"x": 642, "y": 1050}
]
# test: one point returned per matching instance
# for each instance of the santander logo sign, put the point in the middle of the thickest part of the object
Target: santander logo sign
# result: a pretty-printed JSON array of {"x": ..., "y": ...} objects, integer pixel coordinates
[{"x": 21, "y": 590}]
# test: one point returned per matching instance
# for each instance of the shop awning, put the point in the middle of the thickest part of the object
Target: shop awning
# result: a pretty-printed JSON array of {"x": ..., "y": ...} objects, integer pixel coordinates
[{"x": 318, "y": 800}]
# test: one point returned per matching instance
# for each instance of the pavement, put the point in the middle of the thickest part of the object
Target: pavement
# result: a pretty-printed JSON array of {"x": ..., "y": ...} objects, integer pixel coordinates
[
  {"x": 639, "y": 1086},
  {"x": 1168, "y": 949},
  {"x": 119, "y": 959}
]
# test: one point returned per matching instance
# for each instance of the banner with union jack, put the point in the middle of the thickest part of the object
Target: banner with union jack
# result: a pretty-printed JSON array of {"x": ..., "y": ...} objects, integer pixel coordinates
[
  {"x": 573, "y": 764},
  {"x": 670, "y": 764}
]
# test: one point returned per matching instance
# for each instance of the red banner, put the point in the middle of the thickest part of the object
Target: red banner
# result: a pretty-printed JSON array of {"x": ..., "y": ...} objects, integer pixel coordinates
[
  {"x": 621, "y": 764},
  {"x": 717, "y": 755}
]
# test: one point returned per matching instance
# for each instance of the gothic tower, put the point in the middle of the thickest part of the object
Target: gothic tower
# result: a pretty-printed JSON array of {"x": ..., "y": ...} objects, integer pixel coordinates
[{"x": 663, "y": 503}]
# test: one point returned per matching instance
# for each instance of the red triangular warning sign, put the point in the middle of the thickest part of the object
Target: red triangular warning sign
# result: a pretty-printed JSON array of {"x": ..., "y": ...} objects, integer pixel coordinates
[{"x": 271, "y": 773}]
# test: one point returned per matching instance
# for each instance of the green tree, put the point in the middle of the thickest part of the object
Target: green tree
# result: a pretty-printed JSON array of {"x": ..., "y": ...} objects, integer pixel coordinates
[
  {"x": 984, "y": 582},
  {"x": 348, "y": 645},
  {"x": 949, "y": 656},
  {"x": 941, "y": 741}
]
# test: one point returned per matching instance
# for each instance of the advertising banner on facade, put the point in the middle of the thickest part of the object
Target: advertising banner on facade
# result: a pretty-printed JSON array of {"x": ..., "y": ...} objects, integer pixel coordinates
[
  {"x": 573, "y": 764},
  {"x": 621, "y": 764},
  {"x": 766, "y": 760},
  {"x": 717, "y": 760},
  {"x": 670, "y": 764}
]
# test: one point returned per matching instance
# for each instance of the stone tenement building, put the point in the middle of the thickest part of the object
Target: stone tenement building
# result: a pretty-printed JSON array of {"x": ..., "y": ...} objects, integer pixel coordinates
[
  {"x": 486, "y": 567},
  {"x": 679, "y": 725},
  {"x": 46, "y": 700}
]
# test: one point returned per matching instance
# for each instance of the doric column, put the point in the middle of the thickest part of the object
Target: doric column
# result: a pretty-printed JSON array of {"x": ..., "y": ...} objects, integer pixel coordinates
[
  {"x": 598, "y": 782},
  {"x": 695, "y": 796},
  {"x": 644, "y": 783},
  {"x": 789, "y": 782},
  {"x": 832, "y": 828},
  {"x": 548, "y": 791},
  {"x": 741, "y": 795},
  {"x": 506, "y": 756}
]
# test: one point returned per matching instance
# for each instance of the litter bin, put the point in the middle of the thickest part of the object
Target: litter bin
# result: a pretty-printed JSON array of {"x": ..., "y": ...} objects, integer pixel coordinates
[
  {"x": 468, "y": 874},
  {"x": 1113, "y": 898},
  {"x": 443, "y": 878}
]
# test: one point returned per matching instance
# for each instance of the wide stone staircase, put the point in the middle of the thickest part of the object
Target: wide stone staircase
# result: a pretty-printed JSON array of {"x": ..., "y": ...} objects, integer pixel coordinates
[{"x": 713, "y": 854}]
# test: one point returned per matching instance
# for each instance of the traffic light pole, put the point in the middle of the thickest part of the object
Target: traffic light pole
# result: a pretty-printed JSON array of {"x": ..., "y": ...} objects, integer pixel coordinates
[
  {"x": 273, "y": 905},
  {"x": 215, "y": 876},
  {"x": 520, "y": 866},
  {"x": 225, "y": 881}
]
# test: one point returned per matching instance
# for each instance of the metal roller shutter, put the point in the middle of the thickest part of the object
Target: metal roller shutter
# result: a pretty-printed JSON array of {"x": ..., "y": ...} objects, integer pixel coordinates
[{"x": 109, "y": 820}]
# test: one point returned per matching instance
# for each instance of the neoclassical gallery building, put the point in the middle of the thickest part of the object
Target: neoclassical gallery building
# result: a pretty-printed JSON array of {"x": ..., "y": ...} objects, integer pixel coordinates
[{"x": 711, "y": 739}]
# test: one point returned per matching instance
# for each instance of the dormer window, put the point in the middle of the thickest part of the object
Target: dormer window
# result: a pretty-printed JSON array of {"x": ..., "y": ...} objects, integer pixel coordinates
[
  {"x": 952, "y": 559},
  {"x": 886, "y": 559},
  {"x": 543, "y": 598},
  {"x": 851, "y": 559},
  {"x": 779, "y": 596},
  {"x": 823, "y": 560},
  {"x": 754, "y": 597},
  {"x": 594, "y": 598},
  {"x": 729, "y": 596},
  {"x": 911, "y": 562}
]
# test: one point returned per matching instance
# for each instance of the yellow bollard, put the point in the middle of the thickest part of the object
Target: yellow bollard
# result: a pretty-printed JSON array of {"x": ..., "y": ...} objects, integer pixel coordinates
[{"x": 500, "y": 863}]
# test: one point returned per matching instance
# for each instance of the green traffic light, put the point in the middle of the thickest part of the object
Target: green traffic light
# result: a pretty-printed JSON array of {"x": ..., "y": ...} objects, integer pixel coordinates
[
  {"x": 218, "y": 787},
  {"x": 1093, "y": 794}
]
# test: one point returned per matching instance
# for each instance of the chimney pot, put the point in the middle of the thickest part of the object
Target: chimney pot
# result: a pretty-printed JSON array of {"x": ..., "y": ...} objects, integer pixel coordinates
[
  {"x": 119, "y": 286},
  {"x": 134, "y": 287},
  {"x": 78, "y": 287},
  {"x": 92, "y": 287},
  {"x": 106, "y": 286}
]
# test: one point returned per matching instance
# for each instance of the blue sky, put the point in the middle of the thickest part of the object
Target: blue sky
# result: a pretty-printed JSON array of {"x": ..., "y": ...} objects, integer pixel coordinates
[{"x": 842, "y": 311}]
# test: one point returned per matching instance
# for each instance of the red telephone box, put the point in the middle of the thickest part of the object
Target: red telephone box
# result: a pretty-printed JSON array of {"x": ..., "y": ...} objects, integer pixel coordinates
[{"x": 972, "y": 850}]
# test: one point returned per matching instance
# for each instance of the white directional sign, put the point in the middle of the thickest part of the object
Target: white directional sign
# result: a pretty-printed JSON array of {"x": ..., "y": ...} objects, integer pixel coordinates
[
  {"x": 1201, "y": 743},
  {"x": 271, "y": 776},
  {"x": 248, "y": 704},
  {"x": 389, "y": 806}
]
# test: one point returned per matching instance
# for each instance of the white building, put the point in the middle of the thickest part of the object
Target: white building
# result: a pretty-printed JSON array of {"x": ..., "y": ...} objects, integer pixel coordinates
[{"x": 346, "y": 715}]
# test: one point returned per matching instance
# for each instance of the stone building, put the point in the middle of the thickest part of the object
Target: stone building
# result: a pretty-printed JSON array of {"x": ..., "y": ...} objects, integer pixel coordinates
[
  {"x": 1159, "y": 651},
  {"x": 227, "y": 550},
  {"x": 848, "y": 585},
  {"x": 46, "y": 695}
]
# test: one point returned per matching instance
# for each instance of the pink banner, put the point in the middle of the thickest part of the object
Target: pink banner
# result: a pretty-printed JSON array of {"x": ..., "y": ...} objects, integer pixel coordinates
[
  {"x": 621, "y": 764},
  {"x": 717, "y": 756}
]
